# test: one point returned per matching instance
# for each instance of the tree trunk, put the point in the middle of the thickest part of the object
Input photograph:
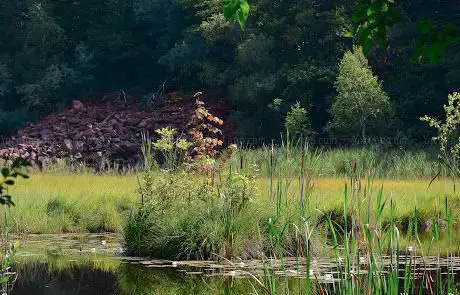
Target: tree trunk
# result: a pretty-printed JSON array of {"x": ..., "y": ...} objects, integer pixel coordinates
[{"x": 363, "y": 131}]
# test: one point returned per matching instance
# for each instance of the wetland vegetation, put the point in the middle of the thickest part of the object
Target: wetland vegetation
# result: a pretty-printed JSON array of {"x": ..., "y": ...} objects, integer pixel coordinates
[
  {"x": 350, "y": 184},
  {"x": 278, "y": 208},
  {"x": 52, "y": 200}
]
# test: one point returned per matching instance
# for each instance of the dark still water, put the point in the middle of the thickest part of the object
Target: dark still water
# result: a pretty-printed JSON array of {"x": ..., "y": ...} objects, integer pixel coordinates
[
  {"x": 149, "y": 278},
  {"x": 94, "y": 265},
  {"x": 38, "y": 280},
  {"x": 126, "y": 280}
]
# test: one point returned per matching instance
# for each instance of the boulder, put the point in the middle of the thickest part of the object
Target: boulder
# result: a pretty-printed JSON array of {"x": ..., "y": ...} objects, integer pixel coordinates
[{"x": 78, "y": 105}]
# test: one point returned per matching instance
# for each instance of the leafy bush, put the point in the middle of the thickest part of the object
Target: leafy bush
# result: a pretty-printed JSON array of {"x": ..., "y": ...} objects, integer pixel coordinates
[
  {"x": 209, "y": 221},
  {"x": 297, "y": 122},
  {"x": 171, "y": 148},
  {"x": 196, "y": 233},
  {"x": 448, "y": 136},
  {"x": 9, "y": 174}
]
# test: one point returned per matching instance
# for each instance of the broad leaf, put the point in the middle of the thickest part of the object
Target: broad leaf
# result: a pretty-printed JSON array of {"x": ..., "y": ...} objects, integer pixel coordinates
[{"x": 237, "y": 10}]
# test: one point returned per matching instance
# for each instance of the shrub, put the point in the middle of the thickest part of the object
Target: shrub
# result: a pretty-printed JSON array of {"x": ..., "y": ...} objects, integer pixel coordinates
[
  {"x": 448, "y": 136},
  {"x": 209, "y": 221},
  {"x": 206, "y": 137},
  {"x": 297, "y": 122},
  {"x": 170, "y": 149}
]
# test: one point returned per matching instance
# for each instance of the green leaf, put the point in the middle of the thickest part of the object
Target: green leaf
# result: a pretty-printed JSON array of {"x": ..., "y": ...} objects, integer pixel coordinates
[
  {"x": 5, "y": 172},
  {"x": 242, "y": 17},
  {"x": 370, "y": 11},
  {"x": 9, "y": 182},
  {"x": 348, "y": 34},
  {"x": 16, "y": 174},
  {"x": 230, "y": 9},
  {"x": 244, "y": 7},
  {"x": 371, "y": 20},
  {"x": 237, "y": 9},
  {"x": 6, "y": 200}
]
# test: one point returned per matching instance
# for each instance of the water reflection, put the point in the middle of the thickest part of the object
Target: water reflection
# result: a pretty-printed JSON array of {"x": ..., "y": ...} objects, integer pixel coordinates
[
  {"x": 126, "y": 280},
  {"x": 123, "y": 278},
  {"x": 38, "y": 279},
  {"x": 68, "y": 265}
]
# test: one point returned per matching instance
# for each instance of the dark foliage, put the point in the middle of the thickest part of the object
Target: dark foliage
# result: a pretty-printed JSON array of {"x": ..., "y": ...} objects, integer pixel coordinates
[{"x": 54, "y": 51}]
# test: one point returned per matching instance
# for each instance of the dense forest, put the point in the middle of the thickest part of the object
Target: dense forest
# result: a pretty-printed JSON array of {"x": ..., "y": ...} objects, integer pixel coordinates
[{"x": 287, "y": 59}]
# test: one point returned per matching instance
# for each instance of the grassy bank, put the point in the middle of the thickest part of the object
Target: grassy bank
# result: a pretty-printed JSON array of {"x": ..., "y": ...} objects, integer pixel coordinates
[
  {"x": 86, "y": 202},
  {"x": 201, "y": 229},
  {"x": 264, "y": 205},
  {"x": 57, "y": 203}
]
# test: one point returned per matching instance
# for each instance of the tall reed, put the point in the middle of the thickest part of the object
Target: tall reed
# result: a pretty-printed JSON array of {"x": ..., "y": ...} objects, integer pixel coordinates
[{"x": 366, "y": 248}]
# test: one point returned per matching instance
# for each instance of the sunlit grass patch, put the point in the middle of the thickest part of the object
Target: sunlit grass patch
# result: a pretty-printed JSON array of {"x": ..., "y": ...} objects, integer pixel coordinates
[
  {"x": 88, "y": 202},
  {"x": 50, "y": 203}
]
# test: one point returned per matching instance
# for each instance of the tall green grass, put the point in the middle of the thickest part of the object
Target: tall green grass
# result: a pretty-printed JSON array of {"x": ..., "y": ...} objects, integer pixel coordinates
[
  {"x": 363, "y": 230},
  {"x": 59, "y": 203},
  {"x": 380, "y": 162},
  {"x": 368, "y": 250},
  {"x": 88, "y": 202},
  {"x": 375, "y": 161}
]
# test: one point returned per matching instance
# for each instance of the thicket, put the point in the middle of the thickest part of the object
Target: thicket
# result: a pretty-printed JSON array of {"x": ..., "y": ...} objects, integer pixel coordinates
[{"x": 54, "y": 51}]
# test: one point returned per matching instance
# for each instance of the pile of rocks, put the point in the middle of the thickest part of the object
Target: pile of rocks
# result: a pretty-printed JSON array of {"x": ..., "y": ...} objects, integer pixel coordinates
[{"x": 94, "y": 133}]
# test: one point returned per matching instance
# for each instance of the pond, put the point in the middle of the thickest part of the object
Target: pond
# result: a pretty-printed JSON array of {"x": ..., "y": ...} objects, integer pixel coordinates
[{"x": 94, "y": 264}]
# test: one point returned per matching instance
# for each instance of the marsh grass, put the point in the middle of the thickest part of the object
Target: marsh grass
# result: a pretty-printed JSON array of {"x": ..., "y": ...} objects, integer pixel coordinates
[
  {"x": 364, "y": 227},
  {"x": 362, "y": 232},
  {"x": 378, "y": 161},
  {"x": 86, "y": 202},
  {"x": 289, "y": 190},
  {"x": 266, "y": 204},
  {"x": 369, "y": 257},
  {"x": 57, "y": 203},
  {"x": 270, "y": 204}
]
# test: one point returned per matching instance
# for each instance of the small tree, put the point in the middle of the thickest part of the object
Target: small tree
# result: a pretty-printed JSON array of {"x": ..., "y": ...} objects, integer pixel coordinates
[
  {"x": 297, "y": 122},
  {"x": 448, "y": 137},
  {"x": 360, "y": 96}
]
